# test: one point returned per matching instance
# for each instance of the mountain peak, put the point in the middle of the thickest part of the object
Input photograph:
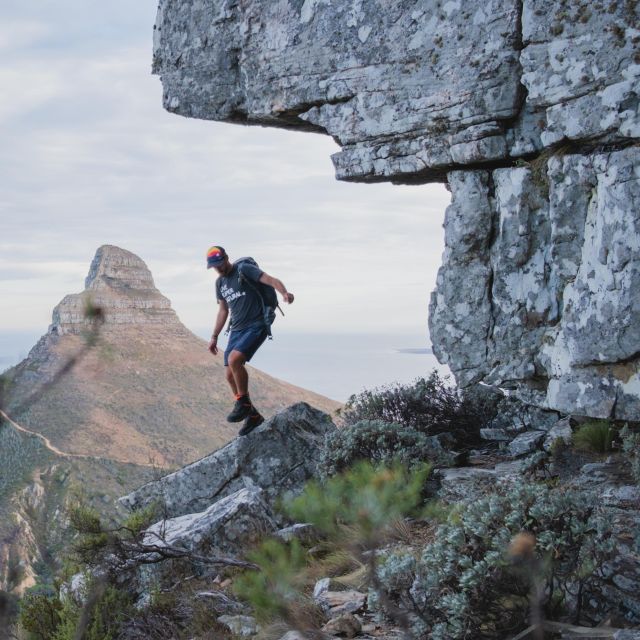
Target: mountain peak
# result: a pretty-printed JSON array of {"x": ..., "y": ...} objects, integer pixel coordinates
[
  {"x": 120, "y": 283},
  {"x": 118, "y": 268}
]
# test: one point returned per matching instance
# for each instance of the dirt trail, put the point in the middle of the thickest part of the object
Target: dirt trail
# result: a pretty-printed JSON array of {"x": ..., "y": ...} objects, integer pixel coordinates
[{"x": 64, "y": 454}]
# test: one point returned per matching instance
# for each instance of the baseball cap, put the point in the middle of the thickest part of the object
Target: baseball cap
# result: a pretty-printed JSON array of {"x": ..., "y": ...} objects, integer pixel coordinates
[{"x": 215, "y": 256}]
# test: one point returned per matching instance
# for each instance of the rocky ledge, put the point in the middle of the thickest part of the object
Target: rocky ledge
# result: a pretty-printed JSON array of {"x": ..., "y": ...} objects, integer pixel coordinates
[{"x": 528, "y": 109}]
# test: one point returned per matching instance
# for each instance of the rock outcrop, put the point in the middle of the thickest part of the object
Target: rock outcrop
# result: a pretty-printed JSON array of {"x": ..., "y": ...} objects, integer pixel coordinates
[
  {"x": 226, "y": 502},
  {"x": 121, "y": 286},
  {"x": 528, "y": 109},
  {"x": 278, "y": 457}
]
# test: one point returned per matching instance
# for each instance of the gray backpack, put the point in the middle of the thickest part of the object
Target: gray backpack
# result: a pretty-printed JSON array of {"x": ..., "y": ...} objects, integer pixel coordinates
[{"x": 266, "y": 292}]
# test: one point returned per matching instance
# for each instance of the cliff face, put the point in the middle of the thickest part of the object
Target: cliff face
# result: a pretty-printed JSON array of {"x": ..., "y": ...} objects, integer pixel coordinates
[{"x": 528, "y": 109}]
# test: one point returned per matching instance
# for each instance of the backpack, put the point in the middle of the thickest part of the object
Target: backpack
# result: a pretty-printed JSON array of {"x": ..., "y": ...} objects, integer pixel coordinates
[{"x": 267, "y": 294}]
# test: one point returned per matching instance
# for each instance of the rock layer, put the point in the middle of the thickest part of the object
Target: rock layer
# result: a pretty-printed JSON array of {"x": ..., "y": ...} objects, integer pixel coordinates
[
  {"x": 121, "y": 285},
  {"x": 529, "y": 109}
]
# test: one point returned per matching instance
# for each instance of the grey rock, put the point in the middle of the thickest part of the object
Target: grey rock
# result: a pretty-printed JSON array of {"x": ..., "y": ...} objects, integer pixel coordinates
[
  {"x": 227, "y": 526},
  {"x": 338, "y": 603},
  {"x": 303, "y": 532},
  {"x": 403, "y": 89},
  {"x": 321, "y": 587},
  {"x": 494, "y": 434},
  {"x": 457, "y": 484},
  {"x": 345, "y": 625},
  {"x": 626, "y": 496},
  {"x": 293, "y": 635},
  {"x": 627, "y": 634},
  {"x": 279, "y": 456},
  {"x": 537, "y": 292},
  {"x": 560, "y": 431},
  {"x": 408, "y": 91},
  {"x": 526, "y": 443},
  {"x": 512, "y": 468},
  {"x": 548, "y": 306},
  {"x": 240, "y": 626}
]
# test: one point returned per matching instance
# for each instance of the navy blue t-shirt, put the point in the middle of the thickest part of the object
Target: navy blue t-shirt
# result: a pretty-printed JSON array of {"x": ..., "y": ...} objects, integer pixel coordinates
[{"x": 245, "y": 304}]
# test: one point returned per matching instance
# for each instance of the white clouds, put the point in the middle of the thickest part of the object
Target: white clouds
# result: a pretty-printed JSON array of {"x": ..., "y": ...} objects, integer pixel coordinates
[{"x": 89, "y": 157}]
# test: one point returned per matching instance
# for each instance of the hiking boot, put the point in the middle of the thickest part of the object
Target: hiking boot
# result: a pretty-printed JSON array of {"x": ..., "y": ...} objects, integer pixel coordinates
[
  {"x": 241, "y": 409},
  {"x": 254, "y": 420}
]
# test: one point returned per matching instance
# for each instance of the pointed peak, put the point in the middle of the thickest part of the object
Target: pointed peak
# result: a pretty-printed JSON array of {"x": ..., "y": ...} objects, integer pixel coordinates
[
  {"x": 118, "y": 268},
  {"x": 121, "y": 285}
]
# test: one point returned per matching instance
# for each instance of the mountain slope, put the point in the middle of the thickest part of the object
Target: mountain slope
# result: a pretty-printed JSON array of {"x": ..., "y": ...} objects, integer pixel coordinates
[{"x": 147, "y": 391}]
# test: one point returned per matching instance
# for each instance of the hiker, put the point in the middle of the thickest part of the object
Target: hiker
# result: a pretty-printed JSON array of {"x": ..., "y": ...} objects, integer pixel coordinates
[{"x": 241, "y": 290}]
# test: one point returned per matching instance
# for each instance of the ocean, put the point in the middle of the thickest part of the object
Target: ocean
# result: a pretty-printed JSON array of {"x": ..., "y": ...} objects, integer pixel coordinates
[{"x": 334, "y": 365}]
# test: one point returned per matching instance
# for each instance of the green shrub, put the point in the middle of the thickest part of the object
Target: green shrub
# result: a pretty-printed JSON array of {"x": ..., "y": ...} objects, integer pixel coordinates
[
  {"x": 93, "y": 539},
  {"x": 464, "y": 585},
  {"x": 139, "y": 520},
  {"x": 380, "y": 442},
  {"x": 46, "y": 617},
  {"x": 107, "y": 614},
  {"x": 277, "y": 586},
  {"x": 354, "y": 511},
  {"x": 366, "y": 498},
  {"x": 428, "y": 405},
  {"x": 40, "y": 613},
  {"x": 595, "y": 435}
]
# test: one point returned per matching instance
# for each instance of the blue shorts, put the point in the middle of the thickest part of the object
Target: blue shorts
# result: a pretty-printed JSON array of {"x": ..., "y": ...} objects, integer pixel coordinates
[{"x": 246, "y": 341}]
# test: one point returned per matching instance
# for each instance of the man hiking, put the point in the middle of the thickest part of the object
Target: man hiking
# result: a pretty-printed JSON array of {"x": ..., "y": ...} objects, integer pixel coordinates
[{"x": 238, "y": 292}]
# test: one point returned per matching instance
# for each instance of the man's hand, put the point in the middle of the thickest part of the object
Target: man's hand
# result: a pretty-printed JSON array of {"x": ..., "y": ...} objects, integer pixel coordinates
[
  {"x": 265, "y": 278},
  {"x": 213, "y": 345}
]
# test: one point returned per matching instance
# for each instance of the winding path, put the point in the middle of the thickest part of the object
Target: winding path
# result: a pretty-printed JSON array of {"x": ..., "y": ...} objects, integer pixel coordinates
[{"x": 64, "y": 454}]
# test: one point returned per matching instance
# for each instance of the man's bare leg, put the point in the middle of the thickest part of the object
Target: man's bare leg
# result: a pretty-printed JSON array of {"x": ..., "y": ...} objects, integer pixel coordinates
[
  {"x": 231, "y": 380},
  {"x": 237, "y": 360}
]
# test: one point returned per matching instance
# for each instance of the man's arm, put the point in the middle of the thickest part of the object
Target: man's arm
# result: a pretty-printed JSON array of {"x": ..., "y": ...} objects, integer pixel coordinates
[
  {"x": 265, "y": 278},
  {"x": 221, "y": 318}
]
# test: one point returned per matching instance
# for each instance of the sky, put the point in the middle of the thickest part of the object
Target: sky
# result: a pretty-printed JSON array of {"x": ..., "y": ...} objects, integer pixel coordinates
[{"x": 89, "y": 157}]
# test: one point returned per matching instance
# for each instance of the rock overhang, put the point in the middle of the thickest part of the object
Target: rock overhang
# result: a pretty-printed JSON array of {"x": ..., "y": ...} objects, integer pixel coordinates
[{"x": 511, "y": 103}]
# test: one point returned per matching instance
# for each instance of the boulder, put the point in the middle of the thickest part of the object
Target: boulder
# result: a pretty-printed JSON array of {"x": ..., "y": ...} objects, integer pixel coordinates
[
  {"x": 562, "y": 431},
  {"x": 240, "y": 626},
  {"x": 227, "y": 527},
  {"x": 525, "y": 443},
  {"x": 463, "y": 482},
  {"x": 345, "y": 626},
  {"x": 278, "y": 457}
]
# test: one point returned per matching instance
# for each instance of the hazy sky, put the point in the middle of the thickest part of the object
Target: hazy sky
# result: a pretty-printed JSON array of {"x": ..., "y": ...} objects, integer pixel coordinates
[{"x": 89, "y": 157}]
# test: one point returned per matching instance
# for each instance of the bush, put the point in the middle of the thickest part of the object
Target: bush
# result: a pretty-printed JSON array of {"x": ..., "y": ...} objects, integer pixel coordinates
[
  {"x": 40, "y": 613},
  {"x": 44, "y": 615},
  {"x": 380, "y": 442},
  {"x": 354, "y": 511},
  {"x": 465, "y": 585},
  {"x": 595, "y": 435},
  {"x": 428, "y": 405}
]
